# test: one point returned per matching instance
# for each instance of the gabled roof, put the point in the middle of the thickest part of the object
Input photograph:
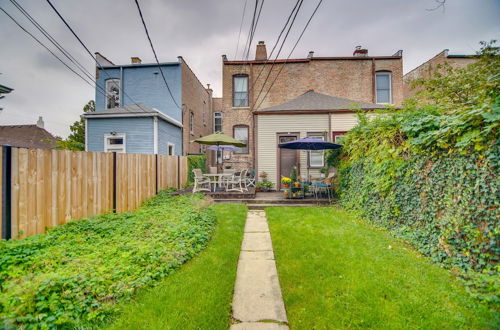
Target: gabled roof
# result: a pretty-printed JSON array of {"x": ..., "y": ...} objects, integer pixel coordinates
[
  {"x": 132, "y": 110},
  {"x": 26, "y": 136},
  {"x": 312, "y": 101}
]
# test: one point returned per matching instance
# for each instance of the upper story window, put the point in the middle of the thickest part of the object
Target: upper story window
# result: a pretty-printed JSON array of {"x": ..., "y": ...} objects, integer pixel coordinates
[
  {"x": 112, "y": 93},
  {"x": 240, "y": 91},
  {"x": 383, "y": 85},
  {"x": 191, "y": 122},
  {"x": 217, "y": 121},
  {"x": 240, "y": 132}
]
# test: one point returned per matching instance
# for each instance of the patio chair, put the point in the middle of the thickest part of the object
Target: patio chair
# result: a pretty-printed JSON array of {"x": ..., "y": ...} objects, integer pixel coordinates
[
  {"x": 200, "y": 181},
  {"x": 234, "y": 183},
  {"x": 244, "y": 178},
  {"x": 250, "y": 180}
]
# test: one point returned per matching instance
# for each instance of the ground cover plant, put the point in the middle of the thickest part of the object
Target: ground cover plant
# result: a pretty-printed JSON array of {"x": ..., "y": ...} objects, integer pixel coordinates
[
  {"x": 199, "y": 295},
  {"x": 76, "y": 274},
  {"x": 429, "y": 171},
  {"x": 337, "y": 271}
]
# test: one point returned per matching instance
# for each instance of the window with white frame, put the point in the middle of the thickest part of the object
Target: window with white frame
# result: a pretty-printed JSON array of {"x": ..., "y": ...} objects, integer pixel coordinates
[
  {"x": 217, "y": 121},
  {"x": 383, "y": 86},
  {"x": 316, "y": 157},
  {"x": 240, "y": 91},
  {"x": 112, "y": 93},
  {"x": 240, "y": 132},
  {"x": 170, "y": 149},
  {"x": 114, "y": 143}
]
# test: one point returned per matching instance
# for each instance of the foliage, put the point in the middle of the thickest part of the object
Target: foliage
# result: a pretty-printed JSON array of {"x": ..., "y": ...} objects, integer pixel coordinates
[
  {"x": 332, "y": 157},
  {"x": 76, "y": 139},
  {"x": 189, "y": 299},
  {"x": 196, "y": 161},
  {"x": 334, "y": 266},
  {"x": 293, "y": 174},
  {"x": 429, "y": 172},
  {"x": 77, "y": 273},
  {"x": 264, "y": 185},
  {"x": 286, "y": 180}
]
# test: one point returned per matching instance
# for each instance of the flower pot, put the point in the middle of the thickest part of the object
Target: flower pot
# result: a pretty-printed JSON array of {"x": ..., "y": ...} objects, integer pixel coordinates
[
  {"x": 285, "y": 193},
  {"x": 286, "y": 185},
  {"x": 296, "y": 184}
]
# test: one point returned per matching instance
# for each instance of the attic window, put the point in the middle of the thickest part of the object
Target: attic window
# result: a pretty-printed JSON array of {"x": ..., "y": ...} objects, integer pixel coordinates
[{"x": 112, "y": 93}]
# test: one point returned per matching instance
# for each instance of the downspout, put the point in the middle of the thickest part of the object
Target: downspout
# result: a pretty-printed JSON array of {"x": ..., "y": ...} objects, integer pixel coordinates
[
  {"x": 329, "y": 138},
  {"x": 86, "y": 134}
]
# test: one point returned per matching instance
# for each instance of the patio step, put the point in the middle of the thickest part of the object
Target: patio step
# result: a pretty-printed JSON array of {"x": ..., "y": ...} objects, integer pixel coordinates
[
  {"x": 262, "y": 206},
  {"x": 308, "y": 202}
]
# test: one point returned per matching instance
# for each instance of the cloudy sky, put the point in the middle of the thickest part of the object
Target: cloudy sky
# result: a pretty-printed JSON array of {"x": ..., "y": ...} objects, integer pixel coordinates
[{"x": 202, "y": 30}]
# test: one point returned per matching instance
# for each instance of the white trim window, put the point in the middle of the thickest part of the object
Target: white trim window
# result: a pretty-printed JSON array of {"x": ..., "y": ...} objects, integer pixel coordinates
[
  {"x": 383, "y": 83},
  {"x": 170, "y": 149},
  {"x": 316, "y": 157},
  {"x": 240, "y": 92},
  {"x": 217, "y": 121},
  {"x": 113, "y": 99},
  {"x": 115, "y": 143}
]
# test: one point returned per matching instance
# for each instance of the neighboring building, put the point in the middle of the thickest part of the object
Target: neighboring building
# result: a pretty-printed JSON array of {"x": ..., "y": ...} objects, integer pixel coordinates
[
  {"x": 27, "y": 136},
  {"x": 4, "y": 90},
  {"x": 248, "y": 115},
  {"x": 426, "y": 69},
  {"x": 146, "y": 118}
]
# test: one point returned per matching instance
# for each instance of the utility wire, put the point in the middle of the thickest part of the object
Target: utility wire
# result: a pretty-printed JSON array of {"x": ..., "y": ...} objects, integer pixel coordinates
[
  {"x": 294, "y": 46},
  {"x": 91, "y": 55},
  {"x": 254, "y": 28},
  {"x": 154, "y": 52},
  {"x": 241, "y": 25},
  {"x": 57, "y": 44},
  {"x": 276, "y": 43},
  {"x": 250, "y": 30},
  {"x": 43, "y": 45},
  {"x": 281, "y": 47}
]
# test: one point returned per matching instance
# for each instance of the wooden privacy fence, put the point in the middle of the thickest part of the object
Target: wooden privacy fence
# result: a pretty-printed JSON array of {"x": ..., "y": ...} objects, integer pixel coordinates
[{"x": 44, "y": 188}]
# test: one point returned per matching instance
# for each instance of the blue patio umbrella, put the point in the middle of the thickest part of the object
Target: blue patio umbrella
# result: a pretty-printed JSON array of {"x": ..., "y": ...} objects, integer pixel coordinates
[{"x": 309, "y": 143}]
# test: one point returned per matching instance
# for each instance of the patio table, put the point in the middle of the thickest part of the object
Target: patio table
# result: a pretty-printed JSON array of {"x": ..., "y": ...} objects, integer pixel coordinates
[{"x": 216, "y": 178}]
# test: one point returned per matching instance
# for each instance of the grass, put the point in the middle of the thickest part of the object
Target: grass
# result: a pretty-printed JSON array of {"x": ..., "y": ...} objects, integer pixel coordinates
[
  {"x": 198, "y": 295},
  {"x": 340, "y": 272}
]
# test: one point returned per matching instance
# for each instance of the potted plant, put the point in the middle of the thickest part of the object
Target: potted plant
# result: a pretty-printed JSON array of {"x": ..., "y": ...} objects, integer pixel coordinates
[{"x": 286, "y": 182}]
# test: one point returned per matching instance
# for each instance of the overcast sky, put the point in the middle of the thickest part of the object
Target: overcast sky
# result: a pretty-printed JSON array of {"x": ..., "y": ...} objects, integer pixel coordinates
[{"x": 202, "y": 30}]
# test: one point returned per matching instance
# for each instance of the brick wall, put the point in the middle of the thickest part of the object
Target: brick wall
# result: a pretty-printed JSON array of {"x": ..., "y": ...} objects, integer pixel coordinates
[
  {"x": 426, "y": 69},
  {"x": 350, "y": 77},
  {"x": 196, "y": 99}
]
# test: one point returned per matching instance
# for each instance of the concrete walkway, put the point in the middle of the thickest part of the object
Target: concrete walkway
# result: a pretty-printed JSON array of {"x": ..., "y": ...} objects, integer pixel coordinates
[{"x": 257, "y": 301}]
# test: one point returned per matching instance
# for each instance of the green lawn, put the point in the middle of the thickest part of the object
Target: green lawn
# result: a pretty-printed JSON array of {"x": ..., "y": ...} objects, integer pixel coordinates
[
  {"x": 199, "y": 295},
  {"x": 340, "y": 272}
]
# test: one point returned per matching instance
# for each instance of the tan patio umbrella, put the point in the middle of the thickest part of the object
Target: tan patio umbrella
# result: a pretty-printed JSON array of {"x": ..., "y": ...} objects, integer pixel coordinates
[{"x": 219, "y": 139}]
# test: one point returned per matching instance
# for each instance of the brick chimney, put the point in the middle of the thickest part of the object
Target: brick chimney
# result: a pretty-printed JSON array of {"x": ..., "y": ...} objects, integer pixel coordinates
[
  {"x": 135, "y": 60},
  {"x": 261, "y": 52},
  {"x": 360, "y": 51},
  {"x": 40, "y": 122}
]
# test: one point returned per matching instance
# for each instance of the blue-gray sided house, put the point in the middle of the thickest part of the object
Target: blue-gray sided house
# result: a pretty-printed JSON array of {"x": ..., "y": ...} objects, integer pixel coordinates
[{"x": 135, "y": 112}]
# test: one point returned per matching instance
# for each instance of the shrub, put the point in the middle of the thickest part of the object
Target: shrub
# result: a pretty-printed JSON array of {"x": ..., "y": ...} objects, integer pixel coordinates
[
  {"x": 77, "y": 273},
  {"x": 196, "y": 161}
]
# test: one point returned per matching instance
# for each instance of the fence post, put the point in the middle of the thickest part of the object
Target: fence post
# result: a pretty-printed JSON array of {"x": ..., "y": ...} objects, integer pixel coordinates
[
  {"x": 179, "y": 172},
  {"x": 156, "y": 173},
  {"x": 6, "y": 192},
  {"x": 114, "y": 182}
]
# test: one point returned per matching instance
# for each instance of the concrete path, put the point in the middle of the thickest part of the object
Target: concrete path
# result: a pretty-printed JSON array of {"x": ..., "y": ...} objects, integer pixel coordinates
[{"x": 257, "y": 301}]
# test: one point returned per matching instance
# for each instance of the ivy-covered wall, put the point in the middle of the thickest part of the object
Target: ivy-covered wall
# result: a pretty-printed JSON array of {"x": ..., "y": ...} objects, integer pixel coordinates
[{"x": 446, "y": 206}]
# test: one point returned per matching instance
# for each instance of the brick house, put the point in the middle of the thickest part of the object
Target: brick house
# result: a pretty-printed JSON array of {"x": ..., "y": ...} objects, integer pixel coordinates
[
  {"x": 426, "y": 69},
  {"x": 147, "y": 119},
  {"x": 246, "y": 112}
]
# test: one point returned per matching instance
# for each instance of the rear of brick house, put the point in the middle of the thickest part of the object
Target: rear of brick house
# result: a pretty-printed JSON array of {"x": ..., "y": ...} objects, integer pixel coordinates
[{"x": 249, "y": 93}]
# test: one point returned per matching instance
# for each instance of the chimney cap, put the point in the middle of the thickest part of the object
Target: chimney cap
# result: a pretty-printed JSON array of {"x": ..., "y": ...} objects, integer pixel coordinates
[
  {"x": 224, "y": 57},
  {"x": 311, "y": 54},
  {"x": 359, "y": 51},
  {"x": 40, "y": 123},
  {"x": 262, "y": 42}
]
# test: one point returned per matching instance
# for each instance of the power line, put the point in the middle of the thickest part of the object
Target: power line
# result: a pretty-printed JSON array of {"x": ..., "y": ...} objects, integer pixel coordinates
[
  {"x": 43, "y": 45},
  {"x": 241, "y": 25},
  {"x": 281, "y": 47},
  {"x": 276, "y": 43},
  {"x": 91, "y": 55},
  {"x": 57, "y": 44},
  {"x": 250, "y": 30},
  {"x": 254, "y": 29},
  {"x": 296, "y": 43},
  {"x": 154, "y": 52}
]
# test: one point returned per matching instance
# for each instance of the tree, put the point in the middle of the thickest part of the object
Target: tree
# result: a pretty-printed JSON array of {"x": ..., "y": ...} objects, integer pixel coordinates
[{"x": 76, "y": 139}]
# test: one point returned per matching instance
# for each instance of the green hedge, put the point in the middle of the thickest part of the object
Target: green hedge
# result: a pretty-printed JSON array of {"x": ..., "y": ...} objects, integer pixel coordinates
[
  {"x": 196, "y": 161},
  {"x": 78, "y": 272}
]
